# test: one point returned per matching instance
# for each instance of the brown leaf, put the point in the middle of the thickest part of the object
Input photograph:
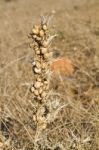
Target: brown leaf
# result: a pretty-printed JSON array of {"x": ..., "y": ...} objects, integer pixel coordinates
[{"x": 62, "y": 66}]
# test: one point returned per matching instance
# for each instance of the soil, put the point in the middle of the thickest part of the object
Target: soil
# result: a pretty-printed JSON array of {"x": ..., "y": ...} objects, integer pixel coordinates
[{"x": 77, "y": 125}]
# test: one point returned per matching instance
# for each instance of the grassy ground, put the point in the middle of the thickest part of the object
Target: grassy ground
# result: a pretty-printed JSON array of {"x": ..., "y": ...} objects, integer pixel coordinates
[{"x": 77, "y": 124}]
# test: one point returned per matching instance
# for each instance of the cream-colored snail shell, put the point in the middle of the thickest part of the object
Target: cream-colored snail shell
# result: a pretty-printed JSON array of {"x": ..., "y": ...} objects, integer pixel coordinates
[
  {"x": 38, "y": 65},
  {"x": 40, "y": 90},
  {"x": 43, "y": 50},
  {"x": 37, "y": 85},
  {"x": 39, "y": 79},
  {"x": 44, "y": 27},
  {"x": 35, "y": 30},
  {"x": 41, "y": 33},
  {"x": 37, "y": 52},
  {"x": 45, "y": 43},
  {"x": 43, "y": 95},
  {"x": 36, "y": 93},
  {"x": 38, "y": 38},
  {"x": 36, "y": 70},
  {"x": 46, "y": 56},
  {"x": 32, "y": 89}
]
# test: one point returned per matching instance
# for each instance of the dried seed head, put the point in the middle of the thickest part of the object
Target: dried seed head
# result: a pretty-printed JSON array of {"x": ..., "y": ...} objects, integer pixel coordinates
[{"x": 37, "y": 85}]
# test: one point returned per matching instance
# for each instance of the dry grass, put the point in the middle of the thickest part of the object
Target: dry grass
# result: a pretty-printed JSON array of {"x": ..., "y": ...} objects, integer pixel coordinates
[{"x": 74, "y": 122}]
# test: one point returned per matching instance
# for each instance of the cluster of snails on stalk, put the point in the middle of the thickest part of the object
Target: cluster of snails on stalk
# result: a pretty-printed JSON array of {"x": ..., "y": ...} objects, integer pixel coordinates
[
  {"x": 42, "y": 56},
  {"x": 41, "y": 41}
]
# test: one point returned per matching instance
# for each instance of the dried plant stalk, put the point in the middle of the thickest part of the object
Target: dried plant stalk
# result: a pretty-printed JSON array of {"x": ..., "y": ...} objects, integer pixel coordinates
[{"x": 41, "y": 41}]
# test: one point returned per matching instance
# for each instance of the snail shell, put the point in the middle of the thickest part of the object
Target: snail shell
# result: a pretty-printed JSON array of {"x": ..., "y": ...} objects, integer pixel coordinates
[
  {"x": 43, "y": 95},
  {"x": 43, "y": 50},
  {"x": 47, "y": 87},
  {"x": 40, "y": 119},
  {"x": 38, "y": 65},
  {"x": 45, "y": 43},
  {"x": 43, "y": 126},
  {"x": 32, "y": 45},
  {"x": 34, "y": 118},
  {"x": 34, "y": 36},
  {"x": 39, "y": 98},
  {"x": 41, "y": 33},
  {"x": 46, "y": 55},
  {"x": 33, "y": 63},
  {"x": 40, "y": 90},
  {"x": 32, "y": 89},
  {"x": 44, "y": 65},
  {"x": 42, "y": 84},
  {"x": 37, "y": 70},
  {"x": 37, "y": 52},
  {"x": 36, "y": 93},
  {"x": 46, "y": 82},
  {"x": 44, "y": 27},
  {"x": 38, "y": 38},
  {"x": 39, "y": 79},
  {"x": 37, "y": 85},
  {"x": 35, "y": 29}
]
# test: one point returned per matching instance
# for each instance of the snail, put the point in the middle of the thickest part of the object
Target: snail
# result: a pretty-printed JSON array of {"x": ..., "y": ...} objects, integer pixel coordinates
[
  {"x": 38, "y": 38},
  {"x": 36, "y": 93},
  {"x": 37, "y": 52},
  {"x": 43, "y": 95},
  {"x": 46, "y": 56},
  {"x": 43, "y": 50},
  {"x": 37, "y": 70},
  {"x": 32, "y": 89},
  {"x": 41, "y": 33},
  {"x": 39, "y": 79},
  {"x": 38, "y": 64},
  {"x": 32, "y": 45},
  {"x": 40, "y": 90},
  {"x": 37, "y": 85},
  {"x": 44, "y": 66},
  {"x": 44, "y": 27},
  {"x": 35, "y": 29},
  {"x": 45, "y": 43}
]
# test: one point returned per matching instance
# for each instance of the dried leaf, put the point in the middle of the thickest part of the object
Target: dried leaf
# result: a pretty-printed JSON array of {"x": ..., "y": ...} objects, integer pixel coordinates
[{"x": 62, "y": 66}]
